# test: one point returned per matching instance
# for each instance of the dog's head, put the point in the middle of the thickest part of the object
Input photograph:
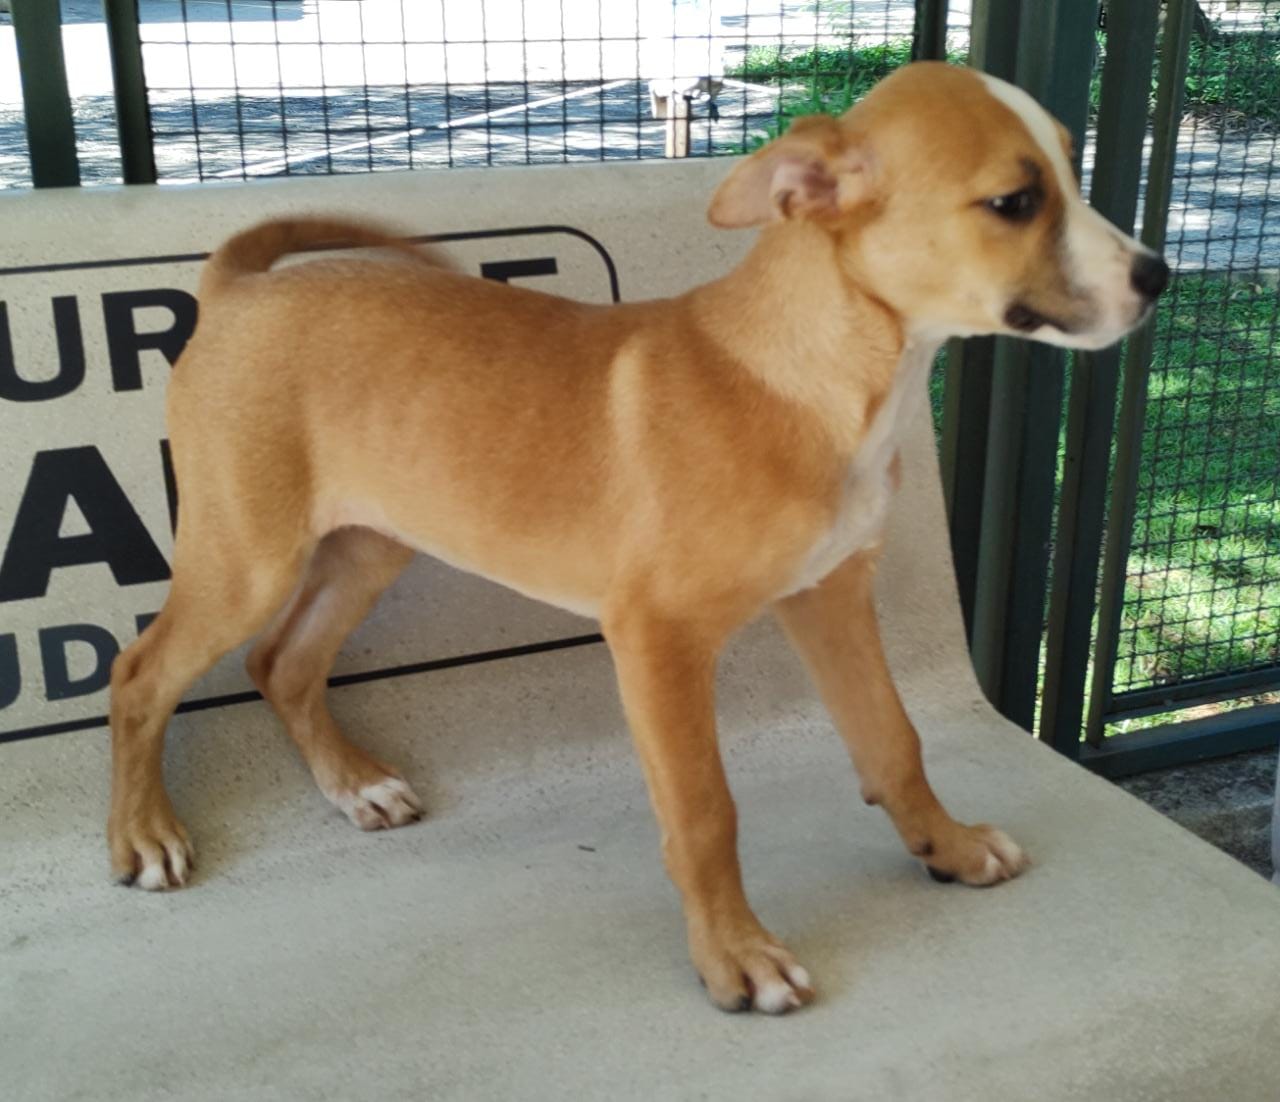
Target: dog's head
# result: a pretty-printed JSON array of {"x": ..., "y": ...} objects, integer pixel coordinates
[{"x": 951, "y": 197}]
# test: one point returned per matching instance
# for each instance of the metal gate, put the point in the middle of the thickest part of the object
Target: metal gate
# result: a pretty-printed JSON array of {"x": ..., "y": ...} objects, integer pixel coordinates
[
  {"x": 1187, "y": 624},
  {"x": 1115, "y": 516}
]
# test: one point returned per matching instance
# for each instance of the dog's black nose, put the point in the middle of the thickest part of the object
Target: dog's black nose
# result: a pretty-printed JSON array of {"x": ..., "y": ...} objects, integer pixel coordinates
[{"x": 1149, "y": 275}]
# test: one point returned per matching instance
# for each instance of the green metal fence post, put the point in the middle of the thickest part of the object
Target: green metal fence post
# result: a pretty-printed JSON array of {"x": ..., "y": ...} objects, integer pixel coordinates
[
  {"x": 51, "y": 131},
  {"x": 966, "y": 409},
  {"x": 133, "y": 112},
  {"x": 929, "y": 40},
  {"x": 993, "y": 36},
  {"x": 1171, "y": 87},
  {"x": 966, "y": 412},
  {"x": 1122, "y": 124},
  {"x": 1054, "y": 60}
]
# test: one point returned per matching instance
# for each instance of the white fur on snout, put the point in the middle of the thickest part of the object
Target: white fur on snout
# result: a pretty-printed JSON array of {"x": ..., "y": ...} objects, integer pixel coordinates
[{"x": 1098, "y": 258}]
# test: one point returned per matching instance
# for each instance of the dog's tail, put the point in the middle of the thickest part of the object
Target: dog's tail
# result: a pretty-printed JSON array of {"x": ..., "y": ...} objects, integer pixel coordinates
[{"x": 256, "y": 249}]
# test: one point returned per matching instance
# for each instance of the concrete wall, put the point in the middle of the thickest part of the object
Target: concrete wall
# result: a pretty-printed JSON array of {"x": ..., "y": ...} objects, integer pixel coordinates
[{"x": 97, "y": 290}]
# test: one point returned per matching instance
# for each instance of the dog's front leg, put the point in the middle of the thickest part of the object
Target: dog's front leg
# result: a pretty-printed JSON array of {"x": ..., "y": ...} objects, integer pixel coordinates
[
  {"x": 834, "y": 627},
  {"x": 666, "y": 672}
]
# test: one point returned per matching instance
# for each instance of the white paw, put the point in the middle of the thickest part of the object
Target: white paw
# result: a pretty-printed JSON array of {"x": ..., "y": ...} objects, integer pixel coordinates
[
  {"x": 1004, "y": 859},
  {"x": 387, "y": 803},
  {"x": 756, "y": 975},
  {"x": 154, "y": 854},
  {"x": 780, "y": 996},
  {"x": 980, "y": 856}
]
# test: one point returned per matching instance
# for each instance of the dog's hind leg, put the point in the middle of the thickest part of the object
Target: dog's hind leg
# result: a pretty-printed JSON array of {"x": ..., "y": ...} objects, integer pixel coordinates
[
  {"x": 290, "y": 664},
  {"x": 220, "y": 596}
]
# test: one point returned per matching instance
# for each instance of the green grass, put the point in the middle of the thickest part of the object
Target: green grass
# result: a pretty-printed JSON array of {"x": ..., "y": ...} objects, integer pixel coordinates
[
  {"x": 1233, "y": 81},
  {"x": 823, "y": 79},
  {"x": 1202, "y": 593},
  {"x": 1203, "y": 589},
  {"x": 828, "y": 70}
]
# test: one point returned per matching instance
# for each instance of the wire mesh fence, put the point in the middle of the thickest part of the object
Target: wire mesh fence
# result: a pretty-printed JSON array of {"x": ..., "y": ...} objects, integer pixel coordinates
[
  {"x": 1202, "y": 596},
  {"x": 331, "y": 86},
  {"x": 15, "y": 158},
  {"x": 242, "y": 89},
  {"x": 249, "y": 88}
]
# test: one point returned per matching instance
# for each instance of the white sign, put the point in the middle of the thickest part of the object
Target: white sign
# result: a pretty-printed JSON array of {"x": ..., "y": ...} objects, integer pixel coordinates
[{"x": 87, "y": 501}]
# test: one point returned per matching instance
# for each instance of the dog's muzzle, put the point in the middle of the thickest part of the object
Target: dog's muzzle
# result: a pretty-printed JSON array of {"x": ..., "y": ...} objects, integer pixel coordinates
[
  {"x": 1149, "y": 276},
  {"x": 1021, "y": 318}
]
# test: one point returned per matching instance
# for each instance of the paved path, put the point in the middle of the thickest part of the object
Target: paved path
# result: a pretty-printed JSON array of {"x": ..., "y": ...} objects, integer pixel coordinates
[
  {"x": 525, "y": 97},
  {"x": 1224, "y": 211},
  {"x": 370, "y": 72},
  {"x": 353, "y": 42}
]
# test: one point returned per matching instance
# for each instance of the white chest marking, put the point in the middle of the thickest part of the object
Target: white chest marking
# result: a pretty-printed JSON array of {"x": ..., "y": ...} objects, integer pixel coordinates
[{"x": 867, "y": 488}]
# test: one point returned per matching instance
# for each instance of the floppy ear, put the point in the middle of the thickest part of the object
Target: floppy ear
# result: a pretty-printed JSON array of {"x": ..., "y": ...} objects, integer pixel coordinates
[{"x": 814, "y": 170}]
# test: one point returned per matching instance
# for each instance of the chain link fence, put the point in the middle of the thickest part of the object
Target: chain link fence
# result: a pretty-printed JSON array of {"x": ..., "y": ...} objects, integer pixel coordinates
[
  {"x": 1202, "y": 595},
  {"x": 240, "y": 89},
  {"x": 246, "y": 89}
]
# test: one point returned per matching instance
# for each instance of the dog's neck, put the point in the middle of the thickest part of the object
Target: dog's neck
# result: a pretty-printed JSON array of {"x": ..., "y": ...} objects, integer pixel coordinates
[{"x": 791, "y": 315}]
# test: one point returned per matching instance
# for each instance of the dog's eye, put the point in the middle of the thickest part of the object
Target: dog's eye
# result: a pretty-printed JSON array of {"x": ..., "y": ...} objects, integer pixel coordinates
[{"x": 1017, "y": 206}]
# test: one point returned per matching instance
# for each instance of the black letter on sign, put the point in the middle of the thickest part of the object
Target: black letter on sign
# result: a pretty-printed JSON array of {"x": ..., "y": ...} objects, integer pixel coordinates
[
  {"x": 124, "y": 342},
  {"x": 10, "y": 671},
  {"x": 66, "y": 325},
  {"x": 170, "y": 483},
  {"x": 117, "y": 535},
  {"x": 506, "y": 270},
  {"x": 58, "y": 683}
]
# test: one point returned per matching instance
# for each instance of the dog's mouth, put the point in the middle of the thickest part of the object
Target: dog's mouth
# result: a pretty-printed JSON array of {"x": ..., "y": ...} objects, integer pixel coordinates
[
  {"x": 1143, "y": 312},
  {"x": 1023, "y": 319}
]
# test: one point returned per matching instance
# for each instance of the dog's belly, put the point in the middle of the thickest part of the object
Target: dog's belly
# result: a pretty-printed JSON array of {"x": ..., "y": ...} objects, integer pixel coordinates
[{"x": 371, "y": 515}]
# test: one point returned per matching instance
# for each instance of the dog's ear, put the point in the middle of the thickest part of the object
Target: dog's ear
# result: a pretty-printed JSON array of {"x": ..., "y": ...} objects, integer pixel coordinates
[{"x": 816, "y": 170}]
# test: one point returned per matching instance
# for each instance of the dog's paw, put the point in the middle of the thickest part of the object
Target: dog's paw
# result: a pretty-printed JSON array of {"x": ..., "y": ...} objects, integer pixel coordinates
[
  {"x": 150, "y": 849},
  {"x": 378, "y": 805},
  {"x": 755, "y": 973},
  {"x": 978, "y": 855}
]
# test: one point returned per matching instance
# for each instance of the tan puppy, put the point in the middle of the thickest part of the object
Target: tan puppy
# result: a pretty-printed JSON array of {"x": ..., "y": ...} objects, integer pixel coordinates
[{"x": 672, "y": 468}]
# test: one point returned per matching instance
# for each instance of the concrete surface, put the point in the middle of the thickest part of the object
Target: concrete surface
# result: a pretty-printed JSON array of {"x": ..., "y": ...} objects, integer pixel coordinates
[
  {"x": 1228, "y": 802},
  {"x": 523, "y": 942}
]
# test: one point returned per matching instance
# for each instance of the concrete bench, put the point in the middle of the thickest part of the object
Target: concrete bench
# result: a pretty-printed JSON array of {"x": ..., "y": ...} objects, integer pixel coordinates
[
  {"x": 523, "y": 941},
  {"x": 1275, "y": 833}
]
